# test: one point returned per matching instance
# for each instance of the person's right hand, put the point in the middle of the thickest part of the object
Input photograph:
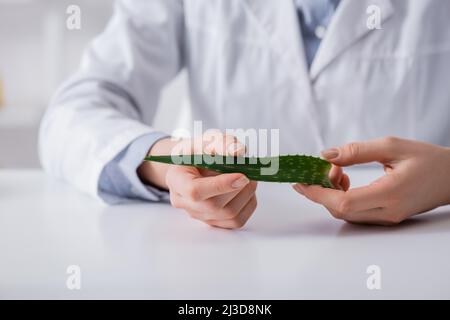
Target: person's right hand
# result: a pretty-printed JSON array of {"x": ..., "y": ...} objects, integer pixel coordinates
[{"x": 220, "y": 200}]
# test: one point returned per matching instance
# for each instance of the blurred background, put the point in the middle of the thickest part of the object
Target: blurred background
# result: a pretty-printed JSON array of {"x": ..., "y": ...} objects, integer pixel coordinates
[{"x": 37, "y": 52}]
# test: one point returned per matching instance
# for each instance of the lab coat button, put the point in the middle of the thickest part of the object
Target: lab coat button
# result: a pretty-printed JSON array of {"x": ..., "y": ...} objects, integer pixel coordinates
[{"x": 320, "y": 32}]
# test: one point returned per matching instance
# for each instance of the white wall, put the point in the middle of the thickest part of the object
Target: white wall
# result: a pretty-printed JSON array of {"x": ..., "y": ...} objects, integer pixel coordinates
[{"x": 37, "y": 52}]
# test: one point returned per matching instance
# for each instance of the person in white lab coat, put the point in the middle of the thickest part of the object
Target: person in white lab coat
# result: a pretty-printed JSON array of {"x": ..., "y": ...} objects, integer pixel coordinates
[{"x": 314, "y": 69}]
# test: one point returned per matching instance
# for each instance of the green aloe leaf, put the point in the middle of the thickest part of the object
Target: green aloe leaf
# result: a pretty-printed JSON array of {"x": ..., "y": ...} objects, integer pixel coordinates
[{"x": 284, "y": 169}]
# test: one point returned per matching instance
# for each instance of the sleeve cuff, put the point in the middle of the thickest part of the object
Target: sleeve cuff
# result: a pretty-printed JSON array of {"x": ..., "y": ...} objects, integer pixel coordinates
[{"x": 119, "y": 182}]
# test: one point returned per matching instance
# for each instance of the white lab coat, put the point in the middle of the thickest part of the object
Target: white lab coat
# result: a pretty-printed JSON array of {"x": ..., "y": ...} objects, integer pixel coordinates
[{"x": 247, "y": 69}]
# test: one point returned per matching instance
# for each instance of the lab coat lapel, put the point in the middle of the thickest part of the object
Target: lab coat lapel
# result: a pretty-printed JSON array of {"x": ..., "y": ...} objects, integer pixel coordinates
[
  {"x": 347, "y": 27},
  {"x": 280, "y": 22}
]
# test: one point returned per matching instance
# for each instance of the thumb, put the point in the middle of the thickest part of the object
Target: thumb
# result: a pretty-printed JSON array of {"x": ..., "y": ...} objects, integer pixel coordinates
[
  {"x": 213, "y": 186},
  {"x": 380, "y": 150}
]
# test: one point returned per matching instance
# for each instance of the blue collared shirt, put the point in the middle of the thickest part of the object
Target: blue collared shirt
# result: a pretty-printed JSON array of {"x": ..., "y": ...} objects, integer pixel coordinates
[
  {"x": 314, "y": 17},
  {"x": 119, "y": 181}
]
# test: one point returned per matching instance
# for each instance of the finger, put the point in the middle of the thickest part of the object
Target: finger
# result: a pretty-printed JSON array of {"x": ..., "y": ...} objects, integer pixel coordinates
[
  {"x": 176, "y": 200},
  {"x": 233, "y": 147},
  {"x": 377, "y": 216},
  {"x": 243, "y": 195},
  {"x": 354, "y": 200},
  {"x": 335, "y": 176},
  {"x": 208, "y": 173},
  {"x": 213, "y": 208},
  {"x": 209, "y": 187},
  {"x": 222, "y": 200},
  {"x": 197, "y": 215},
  {"x": 178, "y": 177},
  {"x": 345, "y": 182},
  {"x": 379, "y": 150},
  {"x": 223, "y": 207},
  {"x": 236, "y": 204},
  {"x": 215, "y": 142},
  {"x": 240, "y": 220},
  {"x": 211, "y": 142},
  {"x": 190, "y": 184}
]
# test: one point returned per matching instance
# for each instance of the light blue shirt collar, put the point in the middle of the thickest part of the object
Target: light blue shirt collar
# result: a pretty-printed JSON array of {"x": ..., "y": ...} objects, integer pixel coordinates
[{"x": 315, "y": 17}]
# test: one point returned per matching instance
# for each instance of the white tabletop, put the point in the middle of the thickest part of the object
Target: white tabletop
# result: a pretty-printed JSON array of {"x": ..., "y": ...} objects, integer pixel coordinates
[{"x": 291, "y": 249}]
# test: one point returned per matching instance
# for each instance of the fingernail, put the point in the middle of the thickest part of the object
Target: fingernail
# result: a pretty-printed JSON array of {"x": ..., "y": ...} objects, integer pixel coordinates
[
  {"x": 241, "y": 182},
  {"x": 299, "y": 188},
  {"x": 330, "y": 154}
]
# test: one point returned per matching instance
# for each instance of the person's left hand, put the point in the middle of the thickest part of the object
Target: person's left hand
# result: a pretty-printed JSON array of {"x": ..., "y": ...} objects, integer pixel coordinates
[{"x": 417, "y": 180}]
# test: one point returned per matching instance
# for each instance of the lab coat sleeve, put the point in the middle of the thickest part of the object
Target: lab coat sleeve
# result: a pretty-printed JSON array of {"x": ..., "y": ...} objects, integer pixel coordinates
[
  {"x": 112, "y": 99},
  {"x": 119, "y": 182}
]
